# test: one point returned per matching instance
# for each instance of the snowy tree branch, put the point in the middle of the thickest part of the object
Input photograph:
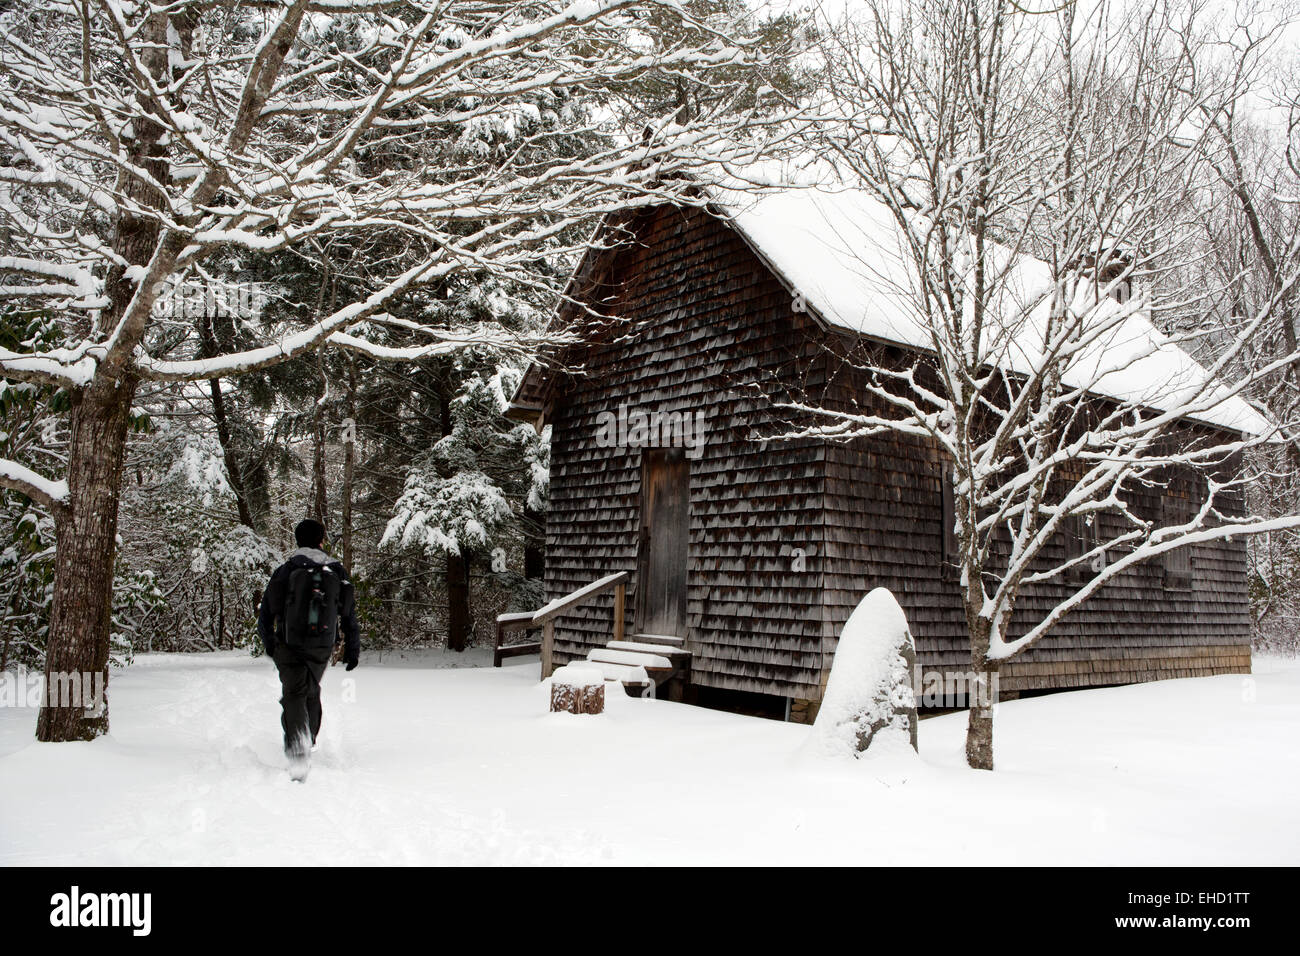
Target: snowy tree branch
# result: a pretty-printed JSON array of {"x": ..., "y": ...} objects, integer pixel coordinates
[{"x": 16, "y": 477}]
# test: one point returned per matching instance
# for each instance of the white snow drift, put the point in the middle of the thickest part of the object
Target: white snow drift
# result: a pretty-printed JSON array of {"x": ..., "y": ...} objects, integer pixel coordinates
[{"x": 426, "y": 764}]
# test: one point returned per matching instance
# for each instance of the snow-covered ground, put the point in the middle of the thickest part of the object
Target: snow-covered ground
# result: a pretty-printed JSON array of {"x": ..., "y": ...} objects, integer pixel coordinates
[{"x": 422, "y": 763}]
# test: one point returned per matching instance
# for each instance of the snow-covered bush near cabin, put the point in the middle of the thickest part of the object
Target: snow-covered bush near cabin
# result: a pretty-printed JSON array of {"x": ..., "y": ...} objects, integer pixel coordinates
[
  {"x": 537, "y": 452},
  {"x": 869, "y": 702}
]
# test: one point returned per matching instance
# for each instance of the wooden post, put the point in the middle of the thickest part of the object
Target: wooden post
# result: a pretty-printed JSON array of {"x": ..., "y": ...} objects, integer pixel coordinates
[
  {"x": 548, "y": 649},
  {"x": 620, "y": 596}
]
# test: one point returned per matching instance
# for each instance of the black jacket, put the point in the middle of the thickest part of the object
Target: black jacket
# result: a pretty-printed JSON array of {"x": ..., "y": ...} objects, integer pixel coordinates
[{"x": 270, "y": 620}]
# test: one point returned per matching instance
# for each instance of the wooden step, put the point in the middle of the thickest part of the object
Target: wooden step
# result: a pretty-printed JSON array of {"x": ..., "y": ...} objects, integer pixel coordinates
[
  {"x": 657, "y": 639},
  {"x": 628, "y": 674},
  {"x": 634, "y": 680},
  {"x": 675, "y": 654},
  {"x": 651, "y": 662}
]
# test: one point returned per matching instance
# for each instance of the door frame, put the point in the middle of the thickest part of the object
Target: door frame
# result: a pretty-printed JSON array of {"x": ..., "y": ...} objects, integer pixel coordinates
[{"x": 642, "y": 546}]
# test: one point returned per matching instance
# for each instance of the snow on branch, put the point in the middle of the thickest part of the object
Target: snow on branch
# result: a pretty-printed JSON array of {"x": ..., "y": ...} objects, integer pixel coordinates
[
  {"x": 220, "y": 138},
  {"x": 71, "y": 368},
  {"x": 16, "y": 477},
  {"x": 1161, "y": 543},
  {"x": 497, "y": 339}
]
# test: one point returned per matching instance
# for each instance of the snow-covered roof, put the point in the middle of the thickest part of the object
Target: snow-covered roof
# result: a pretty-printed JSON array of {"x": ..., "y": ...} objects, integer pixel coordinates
[{"x": 842, "y": 251}]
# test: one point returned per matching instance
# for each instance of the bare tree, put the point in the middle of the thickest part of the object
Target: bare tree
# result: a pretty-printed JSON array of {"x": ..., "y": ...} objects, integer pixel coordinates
[
  {"x": 1037, "y": 172},
  {"x": 143, "y": 142},
  {"x": 1251, "y": 221}
]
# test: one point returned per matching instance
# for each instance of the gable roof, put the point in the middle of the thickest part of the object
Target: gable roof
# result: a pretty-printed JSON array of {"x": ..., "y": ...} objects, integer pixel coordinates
[{"x": 841, "y": 250}]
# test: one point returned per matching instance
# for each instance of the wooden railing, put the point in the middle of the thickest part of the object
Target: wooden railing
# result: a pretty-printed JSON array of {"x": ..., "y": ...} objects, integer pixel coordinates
[{"x": 544, "y": 618}]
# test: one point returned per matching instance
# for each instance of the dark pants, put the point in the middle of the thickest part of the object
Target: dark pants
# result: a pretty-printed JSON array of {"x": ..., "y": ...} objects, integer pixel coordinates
[{"x": 300, "y": 672}]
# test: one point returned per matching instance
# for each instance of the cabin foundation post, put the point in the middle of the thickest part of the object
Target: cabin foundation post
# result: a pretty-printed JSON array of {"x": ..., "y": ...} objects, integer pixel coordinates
[
  {"x": 803, "y": 710},
  {"x": 548, "y": 649},
  {"x": 620, "y": 599}
]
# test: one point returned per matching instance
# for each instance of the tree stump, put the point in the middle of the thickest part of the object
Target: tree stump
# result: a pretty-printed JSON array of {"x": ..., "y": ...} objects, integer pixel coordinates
[{"x": 578, "y": 690}]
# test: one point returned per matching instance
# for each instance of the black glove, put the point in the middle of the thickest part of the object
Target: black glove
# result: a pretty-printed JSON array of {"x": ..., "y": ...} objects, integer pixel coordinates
[{"x": 351, "y": 662}]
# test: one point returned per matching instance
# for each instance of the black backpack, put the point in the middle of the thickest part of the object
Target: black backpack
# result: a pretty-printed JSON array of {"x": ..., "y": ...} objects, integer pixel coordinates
[{"x": 311, "y": 607}]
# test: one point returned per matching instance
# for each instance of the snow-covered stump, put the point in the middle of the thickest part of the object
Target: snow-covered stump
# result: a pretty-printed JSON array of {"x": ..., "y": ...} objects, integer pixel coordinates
[
  {"x": 578, "y": 690},
  {"x": 869, "y": 696}
]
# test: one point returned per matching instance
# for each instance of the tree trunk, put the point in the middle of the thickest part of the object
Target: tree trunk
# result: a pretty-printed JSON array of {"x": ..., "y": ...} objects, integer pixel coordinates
[
  {"x": 233, "y": 471},
  {"x": 85, "y": 526},
  {"x": 980, "y": 698},
  {"x": 86, "y": 545},
  {"x": 318, "y": 499},
  {"x": 458, "y": 629},
  {"x": 319, "y": 503},
  {"x": 221, "y": 618},
  {"x": 210, "y": 348},
  {"x": 457, "y": 602},
  {"x": 349, "y": 462},
  {"x": 979, "y": 738}
]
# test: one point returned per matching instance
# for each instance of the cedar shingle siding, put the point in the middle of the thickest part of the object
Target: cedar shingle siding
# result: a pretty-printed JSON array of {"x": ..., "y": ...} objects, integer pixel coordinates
[{"x": 786, "y": 538}]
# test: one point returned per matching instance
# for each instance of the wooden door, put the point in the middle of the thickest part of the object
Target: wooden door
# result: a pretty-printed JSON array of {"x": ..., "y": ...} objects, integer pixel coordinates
[{"x": 664, "y": 541}]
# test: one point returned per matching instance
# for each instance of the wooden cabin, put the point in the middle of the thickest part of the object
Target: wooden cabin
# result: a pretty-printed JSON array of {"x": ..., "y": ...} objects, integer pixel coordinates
[{"x": 739, "y": 559}]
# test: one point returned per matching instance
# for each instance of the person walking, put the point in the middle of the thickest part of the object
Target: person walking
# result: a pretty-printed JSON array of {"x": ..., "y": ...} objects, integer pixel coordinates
[{"x": 309, "y": 606}]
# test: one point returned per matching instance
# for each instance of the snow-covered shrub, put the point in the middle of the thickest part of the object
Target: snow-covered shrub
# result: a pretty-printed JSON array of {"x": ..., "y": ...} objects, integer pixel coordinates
[
  {"x": 869, "y": 700},
  {"x": 457, "y": 514},
  {"x": 537, "y": 452}
]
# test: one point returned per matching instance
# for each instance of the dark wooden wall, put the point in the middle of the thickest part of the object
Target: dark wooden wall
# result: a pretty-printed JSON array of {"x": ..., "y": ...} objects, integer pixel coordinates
[
  {"x": 708, "y": 322},
  {"x": 786, "y": 538},
  {"x": 884, "y": 527}
]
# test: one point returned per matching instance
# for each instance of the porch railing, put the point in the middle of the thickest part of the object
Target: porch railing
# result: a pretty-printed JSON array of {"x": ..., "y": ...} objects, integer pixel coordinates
[{"x": 544, "y": 619}]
